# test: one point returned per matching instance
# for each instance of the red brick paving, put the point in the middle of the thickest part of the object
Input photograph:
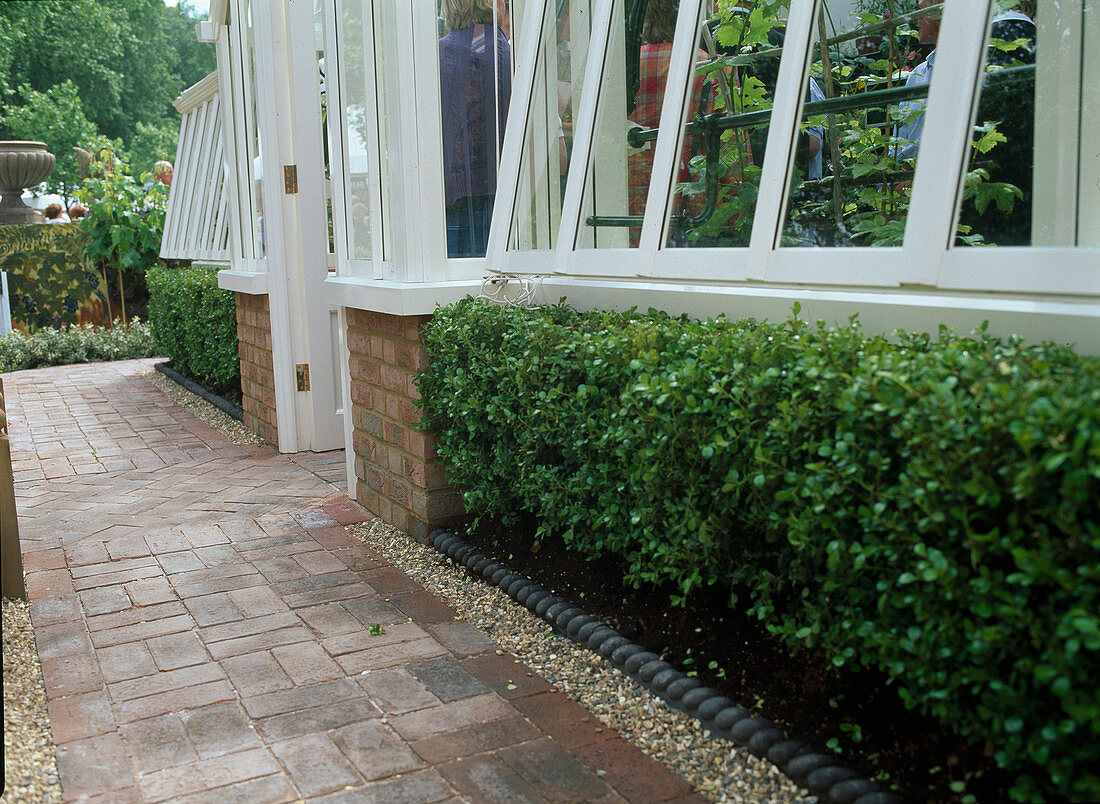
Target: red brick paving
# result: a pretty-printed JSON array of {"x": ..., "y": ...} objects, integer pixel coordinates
[{"x": 204, "y": 626}]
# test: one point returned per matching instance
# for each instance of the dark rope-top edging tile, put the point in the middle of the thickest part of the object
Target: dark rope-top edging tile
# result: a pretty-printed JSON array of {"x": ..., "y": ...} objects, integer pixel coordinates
[
  {"x": 222, "y": 404},
  {"x": 819, "y": 773}
]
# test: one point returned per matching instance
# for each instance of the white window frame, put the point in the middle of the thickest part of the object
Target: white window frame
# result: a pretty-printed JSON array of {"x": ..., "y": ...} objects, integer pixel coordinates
[
  {"x": 926, "y": 257},
  {"x": 500, "y": 257},
  {"x": 923, "y": 282},
  {"x": 407, "y": 187},
  {"x": 512, "y": 260},
  {"x": 229, "y": 134},
  {"x": 610, "y": 262},
  {"x": 339, "y": 158},
  {"x": 237, "y": 129}
]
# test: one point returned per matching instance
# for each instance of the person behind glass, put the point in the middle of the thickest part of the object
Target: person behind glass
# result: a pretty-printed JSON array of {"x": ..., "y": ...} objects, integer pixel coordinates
[
  {"x": 162, "y": 172},
  {"x": 815, "y": 136},
  {"x": 1007, "y": 25},
  {"x": 658, "y": 29},
  {"x": 1015, "y": 25},
  {"x": 55, "y": 214},
  {"x": 912, "y": 112},
  {"x": 809, "y": 148},
  {"x": 475, "y": 84}
]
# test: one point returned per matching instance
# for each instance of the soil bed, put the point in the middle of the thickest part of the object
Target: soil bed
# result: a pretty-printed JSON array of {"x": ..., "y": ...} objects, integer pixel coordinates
[{"x": 855, "y": 713}]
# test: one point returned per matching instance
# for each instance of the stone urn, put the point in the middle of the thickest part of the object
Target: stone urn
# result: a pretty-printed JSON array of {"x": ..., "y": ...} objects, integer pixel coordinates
[{"x": 22, "y": 164}]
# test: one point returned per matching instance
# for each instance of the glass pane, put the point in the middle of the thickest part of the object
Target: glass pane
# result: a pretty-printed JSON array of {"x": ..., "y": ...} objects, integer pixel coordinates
[
  {"x": 548, "y": 139},
  {"x": 615, "y": 187},
  {"x": 352, "y": 34},
  {"x": 322, "y": 90},
  {"x": 723, "y": 140},
  {"x": 475, "y": 82},
  {"x": 1000, "y": 181},
  {"x": 860, "y": 132},
  {"x": 254, "y": 150}
]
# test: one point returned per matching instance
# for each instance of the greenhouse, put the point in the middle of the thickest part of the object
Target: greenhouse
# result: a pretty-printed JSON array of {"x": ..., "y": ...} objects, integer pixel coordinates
[{"x": 354, "y": 164}]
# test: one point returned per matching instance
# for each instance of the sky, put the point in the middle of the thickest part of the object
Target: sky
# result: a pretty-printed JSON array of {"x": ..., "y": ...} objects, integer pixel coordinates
[{"x": 202, "y": 7}]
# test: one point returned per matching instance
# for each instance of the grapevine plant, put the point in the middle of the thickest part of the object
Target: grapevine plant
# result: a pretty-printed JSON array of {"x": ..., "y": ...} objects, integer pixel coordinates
[{"x": 125, "y": 219}]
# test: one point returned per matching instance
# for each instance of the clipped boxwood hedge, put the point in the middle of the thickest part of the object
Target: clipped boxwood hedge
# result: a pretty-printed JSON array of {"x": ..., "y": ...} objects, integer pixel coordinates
[
  {"x": 924, "y": 505},
  {"x": 195, "y": 323}
]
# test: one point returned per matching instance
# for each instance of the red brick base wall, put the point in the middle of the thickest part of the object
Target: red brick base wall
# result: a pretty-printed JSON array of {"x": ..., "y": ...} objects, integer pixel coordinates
[
  {"x": 398, "y": 475},
  {"x": 257, "y": 366}
]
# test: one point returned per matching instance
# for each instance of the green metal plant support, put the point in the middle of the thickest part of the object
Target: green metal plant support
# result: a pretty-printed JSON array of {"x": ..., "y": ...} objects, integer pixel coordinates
[{"x": 711, "y": 126}]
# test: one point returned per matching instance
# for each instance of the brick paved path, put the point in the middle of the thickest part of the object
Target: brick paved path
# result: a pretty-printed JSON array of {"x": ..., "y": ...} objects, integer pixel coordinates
[{"x": 204, "y": 626}]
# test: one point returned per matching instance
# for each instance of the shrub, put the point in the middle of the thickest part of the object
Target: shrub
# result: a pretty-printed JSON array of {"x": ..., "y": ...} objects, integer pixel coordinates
[
  {"x": 125, "y": 218},
  {"x": 195, "y": 323},
  {"x": 75, "y": 343},
  {"x": 923, "y": 505}
]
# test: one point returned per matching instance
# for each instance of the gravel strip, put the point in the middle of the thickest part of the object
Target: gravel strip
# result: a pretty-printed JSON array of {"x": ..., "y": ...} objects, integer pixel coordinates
[
  {"x": 30, "y": 767},
  {"x": 210, "y": 415},
  {"x": 716, "y": 767}
]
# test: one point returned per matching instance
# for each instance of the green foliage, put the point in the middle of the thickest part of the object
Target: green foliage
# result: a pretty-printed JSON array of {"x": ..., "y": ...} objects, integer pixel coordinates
[
  {"x": 116, "y": 63},
  {"x": 76, "y": 343},
  {"x": 55, "y": 117},
  {"x": 125, "y": 219},
  {"x": 923, "y": 505},
  {"x": 128, "y": 58},
  {"x": 880, "y": 7},
  {"x": 151, "y": 143},
  {"x": 195, "y": 323},
  {"x": 863, "y": 195}
]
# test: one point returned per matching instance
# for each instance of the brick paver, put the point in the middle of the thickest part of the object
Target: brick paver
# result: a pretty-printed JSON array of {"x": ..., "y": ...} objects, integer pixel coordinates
[{"x": 205, "y": 628}]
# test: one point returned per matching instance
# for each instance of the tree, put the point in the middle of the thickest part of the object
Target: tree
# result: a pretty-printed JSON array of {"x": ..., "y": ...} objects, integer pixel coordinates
[
  {"x": 151, "y": 143},
  {"x": 78, "y": 41},
  {"x": 127, "y": 59},
  {"x": 55, "y": 117}
]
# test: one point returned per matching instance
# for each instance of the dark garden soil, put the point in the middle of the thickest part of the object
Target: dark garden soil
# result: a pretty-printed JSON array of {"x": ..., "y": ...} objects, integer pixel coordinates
[
  {"x": 136, "y": 295},
  {"x": 857, "y": 714},
  {"x": 232, "y": 395}
]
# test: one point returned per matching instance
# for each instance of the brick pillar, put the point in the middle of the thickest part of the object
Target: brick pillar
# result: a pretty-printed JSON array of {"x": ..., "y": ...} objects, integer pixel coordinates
[
  {"x": 398, "y": 476},
  {"x": 257, "y": 365}
]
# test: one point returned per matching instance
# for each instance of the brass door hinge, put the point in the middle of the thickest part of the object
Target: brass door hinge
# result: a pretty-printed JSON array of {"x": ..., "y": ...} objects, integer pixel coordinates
[
  {"x": 302, "y": 370},
  {"x": 290, "y": 179}
]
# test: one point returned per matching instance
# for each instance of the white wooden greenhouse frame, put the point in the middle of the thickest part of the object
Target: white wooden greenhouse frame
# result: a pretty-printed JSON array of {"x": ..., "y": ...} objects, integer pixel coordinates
[
  {"x": 196, "y": 226},
  {"x": 1043, "y": 291}
]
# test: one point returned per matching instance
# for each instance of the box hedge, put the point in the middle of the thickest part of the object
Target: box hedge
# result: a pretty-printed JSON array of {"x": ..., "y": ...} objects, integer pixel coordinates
[
  {"x": 195, "y": 323},
  {"x": 924, "y": 505}
]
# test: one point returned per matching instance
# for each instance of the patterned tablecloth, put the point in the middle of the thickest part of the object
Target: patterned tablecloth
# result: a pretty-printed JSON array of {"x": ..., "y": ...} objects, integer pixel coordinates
[{"x": 50, "y": 280}]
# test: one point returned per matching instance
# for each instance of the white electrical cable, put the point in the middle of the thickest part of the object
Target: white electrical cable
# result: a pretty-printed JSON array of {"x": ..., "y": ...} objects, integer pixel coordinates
[{"x": 510, "y": 291}]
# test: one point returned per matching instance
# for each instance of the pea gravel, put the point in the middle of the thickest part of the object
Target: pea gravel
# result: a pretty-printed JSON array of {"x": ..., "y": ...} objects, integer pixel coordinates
[
  {"x": 210, "y": 415},
  {"x": 716, "y": 767},
  {"x": 30, "y": 767}
]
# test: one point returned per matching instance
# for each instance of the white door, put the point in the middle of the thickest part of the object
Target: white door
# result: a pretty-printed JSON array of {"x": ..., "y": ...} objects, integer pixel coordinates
[
  {"x": 321, "y": 319},
  {"x": 315, "y": 324}
]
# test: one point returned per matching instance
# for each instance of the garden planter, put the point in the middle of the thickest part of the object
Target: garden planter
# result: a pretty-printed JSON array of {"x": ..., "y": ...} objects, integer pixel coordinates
[
  {"x": 868, "y": 45},
  {"x": 22, "y": 164}
]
